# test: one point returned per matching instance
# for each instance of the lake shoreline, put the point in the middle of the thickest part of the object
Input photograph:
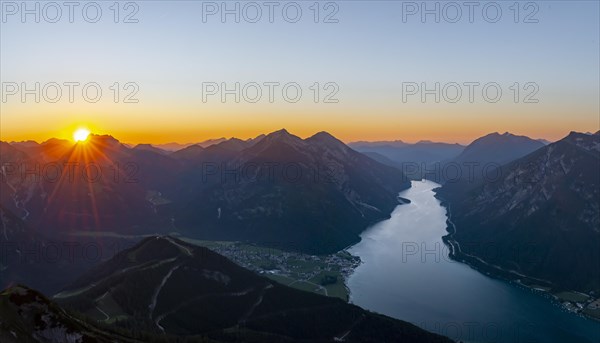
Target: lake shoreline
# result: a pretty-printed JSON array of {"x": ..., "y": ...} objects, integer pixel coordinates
[{"x": 494, "y": 271}]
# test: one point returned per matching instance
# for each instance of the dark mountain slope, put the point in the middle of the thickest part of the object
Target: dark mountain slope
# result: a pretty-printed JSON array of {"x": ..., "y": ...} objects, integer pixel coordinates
[
  {"x": 540, "y": 218},
  {"x": 28, "y": 256},
  {"x": 27, "y": 316},
  {"x": 99, "y": 184},
  {"x": 483, "y": 159},
  {"x": 166, "y": 285},
  {"x": 47, "y": 151},
  {"x": 149, "y": 147},
  {"x": 498, "y": 148},
  {"x": 312, "y": 195}
]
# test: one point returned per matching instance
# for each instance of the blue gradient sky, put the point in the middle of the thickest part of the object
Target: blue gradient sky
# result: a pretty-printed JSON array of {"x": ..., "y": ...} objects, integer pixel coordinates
[{"x": 369, "y": 54}]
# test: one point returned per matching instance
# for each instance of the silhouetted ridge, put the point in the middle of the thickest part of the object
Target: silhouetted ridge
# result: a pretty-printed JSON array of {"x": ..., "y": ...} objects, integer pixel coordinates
[{"x": 169, "y": 286}]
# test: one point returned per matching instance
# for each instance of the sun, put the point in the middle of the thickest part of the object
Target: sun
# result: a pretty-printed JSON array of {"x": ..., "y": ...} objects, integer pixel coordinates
[{"x": 81, "y": 135}]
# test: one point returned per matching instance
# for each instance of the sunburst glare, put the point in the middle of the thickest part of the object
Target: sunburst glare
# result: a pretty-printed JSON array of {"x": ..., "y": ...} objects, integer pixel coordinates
[{"x": 81, "y": 135}]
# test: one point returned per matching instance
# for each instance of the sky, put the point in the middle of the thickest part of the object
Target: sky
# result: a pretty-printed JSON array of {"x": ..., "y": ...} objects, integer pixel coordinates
[{"x": 363, "y": 70}]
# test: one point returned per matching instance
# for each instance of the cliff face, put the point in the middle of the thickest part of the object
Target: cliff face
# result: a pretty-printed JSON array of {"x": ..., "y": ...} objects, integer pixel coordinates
[{"x": 540, "y": 218}]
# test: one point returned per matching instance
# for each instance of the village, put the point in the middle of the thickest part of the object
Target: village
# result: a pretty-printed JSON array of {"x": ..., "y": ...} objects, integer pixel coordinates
[{"x": 321, "y": 274}]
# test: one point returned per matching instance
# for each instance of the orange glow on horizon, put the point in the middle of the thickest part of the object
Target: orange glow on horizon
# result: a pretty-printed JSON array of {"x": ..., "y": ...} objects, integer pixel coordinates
[
  {"x": 160, "y": 121},
  {"x": 408, "y": 134}
]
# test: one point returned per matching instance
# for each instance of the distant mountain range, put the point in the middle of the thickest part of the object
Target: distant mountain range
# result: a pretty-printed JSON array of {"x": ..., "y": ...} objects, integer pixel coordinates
[
  {"x": 441, "y": 162},
  {"x": 400, "y": 154},
  {"x": 314, "y": 195},
  {"x": 166, "y": 290},
  {"x": 540, "y": 217},
  {"x": 171, "y": 147}
]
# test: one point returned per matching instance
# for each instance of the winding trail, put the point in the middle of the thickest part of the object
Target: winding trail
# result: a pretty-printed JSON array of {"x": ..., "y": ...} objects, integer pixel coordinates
[
  {"x": 70, "y": 293},
  {"x": 255, "y": 305},
  {"x": 98, "y": 307},
  {"x": 104, "y": 313},
  {"x": 186, "y": 250},
  {"x": 343, "y": 337},
  {"x": 159, "y": 288}
]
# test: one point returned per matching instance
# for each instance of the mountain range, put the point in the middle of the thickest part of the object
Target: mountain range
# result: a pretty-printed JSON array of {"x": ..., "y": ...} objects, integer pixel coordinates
[
  {"x": 401, "y": 154},
  {"x": 537, "y": 220},
  {"x": 313, "y": 195},
  {"x": 540, "y": 217},
  {"x": 442, "y": 162}
]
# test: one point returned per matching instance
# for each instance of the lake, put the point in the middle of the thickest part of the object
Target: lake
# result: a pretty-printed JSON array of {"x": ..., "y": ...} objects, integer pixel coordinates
[{"x": 406, "y": 274}]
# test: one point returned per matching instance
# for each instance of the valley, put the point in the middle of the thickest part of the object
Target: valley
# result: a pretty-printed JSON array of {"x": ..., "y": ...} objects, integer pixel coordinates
[
  {"x": 408, "y": 273},
  {"x": 359, "y": 171},
  {"x": 255, "y": 250}
]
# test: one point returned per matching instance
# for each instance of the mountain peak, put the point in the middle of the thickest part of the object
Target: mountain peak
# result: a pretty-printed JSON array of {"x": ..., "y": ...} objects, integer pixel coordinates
[
  {"x": 499, "y": 135},
  {"x": 278, "y": 138},
  {"x": 575, "y": 134},
  {"x": 324, "y": 135},
  {"x": 103, "y": 142},
  {"x": 590, "y": 142},
  {"x": 498, "y": 148},
  {"x": 55, "y": 141},
  {"x": 106, "y": 139},
  {"x": 282, "y": 131},
  {"x": 232, "y": 144},
  {"x": 506, "y": 136},
  {"x": 325, "y": 138},
  {"x": 282, "y": 134}
]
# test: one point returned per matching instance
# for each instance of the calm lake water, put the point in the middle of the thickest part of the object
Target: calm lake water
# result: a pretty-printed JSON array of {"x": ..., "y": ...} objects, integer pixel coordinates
[{"x": 406, "y": 274}]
